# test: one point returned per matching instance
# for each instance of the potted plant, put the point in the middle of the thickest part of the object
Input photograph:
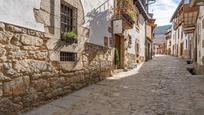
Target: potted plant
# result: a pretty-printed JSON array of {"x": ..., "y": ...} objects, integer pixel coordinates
[
  {"x": 131, "y": 14},
  {"x": 70, "y": 36},
  {"x": 117, "y": 57}
]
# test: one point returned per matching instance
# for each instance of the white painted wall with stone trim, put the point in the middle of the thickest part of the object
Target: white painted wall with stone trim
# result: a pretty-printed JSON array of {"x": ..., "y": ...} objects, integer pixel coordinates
[{"x": 21, "y": 13}]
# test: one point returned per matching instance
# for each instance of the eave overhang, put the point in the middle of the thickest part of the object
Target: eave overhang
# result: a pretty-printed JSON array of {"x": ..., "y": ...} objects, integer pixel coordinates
[
  {"x": 190, "y": 16},
  {"x": 194, "y": 2},
  {"x": 175, "y": 12},
  {"x": 141, "y": 9}
]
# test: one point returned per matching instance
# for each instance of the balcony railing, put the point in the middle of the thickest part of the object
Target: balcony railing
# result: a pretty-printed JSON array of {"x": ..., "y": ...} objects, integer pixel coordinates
[
  {"x": 125, "y": 15},
  {"x": 190, "y": 15},
  {"x": 186, "y": 16},
  {"x": 124, "y": 10}
]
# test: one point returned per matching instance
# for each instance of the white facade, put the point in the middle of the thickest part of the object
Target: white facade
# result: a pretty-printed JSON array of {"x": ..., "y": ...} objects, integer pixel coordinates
[
  {"x": 200, "y": 36},
  {"x": 98, "y": 17},
  {"x": 142, "y": 35},
  {"x": 138, "y": 35},
  {"x": 20, "y": 13}
]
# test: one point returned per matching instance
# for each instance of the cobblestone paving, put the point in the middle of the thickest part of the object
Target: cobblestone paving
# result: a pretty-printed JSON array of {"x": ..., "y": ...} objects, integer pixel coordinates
[{"x": 163, "y": 86}]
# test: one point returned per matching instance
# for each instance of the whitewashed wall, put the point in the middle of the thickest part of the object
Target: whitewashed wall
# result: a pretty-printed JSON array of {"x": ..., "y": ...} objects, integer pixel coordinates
[
  {"x": 201, "y": 33},
  {"x": 138, "y": 35},
  {"x": 98, "y": 20},
  {"x": 20, "y": 13},
  {"x": 172, "y": 40},
  {"x": 142, "y": 35},
  {"x": 134, "y": 35}
]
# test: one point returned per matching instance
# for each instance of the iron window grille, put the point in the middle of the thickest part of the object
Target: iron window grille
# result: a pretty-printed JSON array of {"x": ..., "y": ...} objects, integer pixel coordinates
[
  {"x": 68, "y": 18},
  {"x": 68, "y": 56}
]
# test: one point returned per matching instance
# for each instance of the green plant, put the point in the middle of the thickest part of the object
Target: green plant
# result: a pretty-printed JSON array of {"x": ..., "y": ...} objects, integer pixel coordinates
[
  {"x": 70, "y": 35},
  {"x": 117, "y": 57},
  {"x": 131, "y": 14}
]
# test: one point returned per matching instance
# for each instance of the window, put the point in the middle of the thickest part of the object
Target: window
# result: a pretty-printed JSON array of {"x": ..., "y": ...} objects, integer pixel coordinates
[
  {"x": 68, "y": 18},
  {"x": 67, "y": 56},
  {"x": 111, "y": 42},
  {"x": 106, "y": 41}
]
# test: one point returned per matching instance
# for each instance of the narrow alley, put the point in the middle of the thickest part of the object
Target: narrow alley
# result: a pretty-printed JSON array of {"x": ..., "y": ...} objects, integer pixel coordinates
[
  {"x": 102, "y": 57},
  {"x": 162, "y": 86}
]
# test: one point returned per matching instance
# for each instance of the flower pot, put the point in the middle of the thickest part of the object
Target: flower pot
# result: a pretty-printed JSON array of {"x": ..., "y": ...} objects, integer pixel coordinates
[{"x": 69, "y": 40}]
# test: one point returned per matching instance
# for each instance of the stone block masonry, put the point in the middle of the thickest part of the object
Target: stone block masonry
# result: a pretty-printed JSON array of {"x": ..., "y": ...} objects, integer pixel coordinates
[{"x": 28, "y": 77}]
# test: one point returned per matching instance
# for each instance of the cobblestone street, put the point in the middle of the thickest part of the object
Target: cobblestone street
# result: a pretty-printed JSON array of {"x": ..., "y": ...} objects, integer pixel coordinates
[{"x": 162, "y": 86}]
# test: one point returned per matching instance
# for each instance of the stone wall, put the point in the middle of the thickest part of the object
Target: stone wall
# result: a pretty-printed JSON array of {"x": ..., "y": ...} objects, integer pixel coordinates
[
  {"x": 199, "y": 69},
  {"x": 131, "y": 60},
  {"x": 28, "y": 77}
]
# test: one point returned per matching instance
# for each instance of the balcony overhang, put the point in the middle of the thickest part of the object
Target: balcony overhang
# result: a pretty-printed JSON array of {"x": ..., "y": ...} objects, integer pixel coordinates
[
  {"x": 127, "y": 21},
  {"x": 142, "y": 9},
  {"x": 189, "y": 30},
  {"x": 190, "y": 16},
  {"x": 196, "y": 2}
]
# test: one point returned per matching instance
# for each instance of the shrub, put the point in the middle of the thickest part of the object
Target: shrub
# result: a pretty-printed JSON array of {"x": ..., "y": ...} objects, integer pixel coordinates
[
  {"x": 117, "y": 57},
  {"x": 70, "y": 35},
  {"x": 131, "y": 14}
]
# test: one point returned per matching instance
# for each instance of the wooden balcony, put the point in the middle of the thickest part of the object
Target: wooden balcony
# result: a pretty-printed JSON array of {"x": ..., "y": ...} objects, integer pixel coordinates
[
  {"x": 123, "y": 15},
  {"x": 179, "y": 21},
  {"x": 190, "y": 17},
  {"x": 124, "y": 11},
  {"x": 186, "y": 16}
]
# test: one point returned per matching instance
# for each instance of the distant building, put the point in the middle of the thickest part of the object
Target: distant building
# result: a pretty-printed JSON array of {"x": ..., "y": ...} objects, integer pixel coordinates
[
  {"x": 198, "y": 37},
  {"x": 187, "y": 32},
  {"x": 160, "y": 42},
  {"x": 168, "y": 41}
]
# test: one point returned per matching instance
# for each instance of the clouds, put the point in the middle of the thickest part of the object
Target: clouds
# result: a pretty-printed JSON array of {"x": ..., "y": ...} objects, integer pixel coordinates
[{"x": 163, "y": 10}]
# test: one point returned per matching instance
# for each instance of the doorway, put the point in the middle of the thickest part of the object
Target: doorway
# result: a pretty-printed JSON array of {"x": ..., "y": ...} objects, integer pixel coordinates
[
  {"x": 181, "y": 49},
  {"x": 119, "y": 44}
]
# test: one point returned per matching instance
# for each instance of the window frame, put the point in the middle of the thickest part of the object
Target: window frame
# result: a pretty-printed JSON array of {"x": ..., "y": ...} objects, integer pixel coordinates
[{"x": 68, "y": 18}]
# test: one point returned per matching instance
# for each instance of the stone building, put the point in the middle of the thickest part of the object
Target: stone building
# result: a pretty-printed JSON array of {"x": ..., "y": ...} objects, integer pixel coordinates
[
  {"x": 183, "y": 21},
  {"x": 199, "y": 36},
  {"x": 168, "y": 41},
  {"x": 149, "y": 37},
  {"x": 160, "y": 42},
  {"x": 187, "y": 32},
  {"x": 129, "y": 34},
  {"x": 49, "y": 48},
  {"x": 40, "y": 60}
]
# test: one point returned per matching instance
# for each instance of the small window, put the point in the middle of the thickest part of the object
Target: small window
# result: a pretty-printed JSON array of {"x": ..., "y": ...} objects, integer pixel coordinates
[
  {"x": 111, "y": 41},
  {"x": 106, "y": 41},
  {"x": 67, "y": 56}
]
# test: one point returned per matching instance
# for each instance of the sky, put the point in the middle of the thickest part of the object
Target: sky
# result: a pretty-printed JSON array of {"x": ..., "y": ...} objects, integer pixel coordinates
[{"x": 163, "y": 11}]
